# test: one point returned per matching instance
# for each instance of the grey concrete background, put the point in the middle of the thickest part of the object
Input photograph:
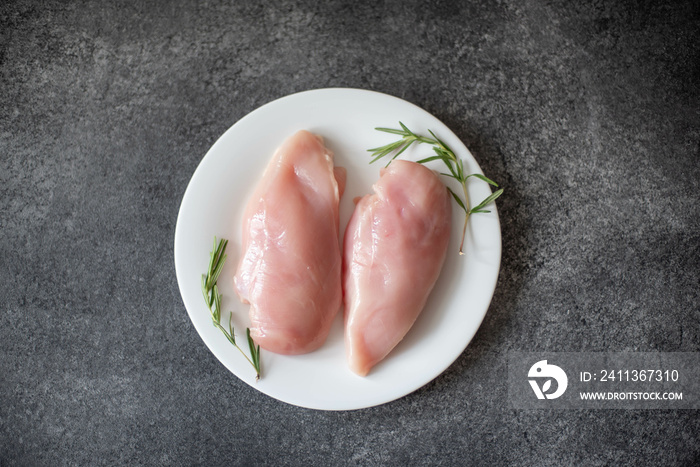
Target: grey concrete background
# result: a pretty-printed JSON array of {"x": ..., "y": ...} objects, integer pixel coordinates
[{"x": 586, "y": 112}]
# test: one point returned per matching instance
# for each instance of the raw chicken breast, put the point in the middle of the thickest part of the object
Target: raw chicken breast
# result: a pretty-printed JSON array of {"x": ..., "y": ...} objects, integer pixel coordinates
[
  {"x": 290, "y": 266},
  {"x": 394, "y": 248}
]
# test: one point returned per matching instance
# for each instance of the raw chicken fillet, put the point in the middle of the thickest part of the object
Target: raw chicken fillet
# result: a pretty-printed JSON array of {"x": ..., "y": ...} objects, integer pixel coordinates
[
  {"x": 290, "y": 266},
  {"x": 394, "y": 248}
]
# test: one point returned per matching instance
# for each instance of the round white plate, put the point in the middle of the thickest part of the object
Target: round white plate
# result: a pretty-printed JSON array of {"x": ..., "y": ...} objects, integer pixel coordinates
[{"x": 213, "y": 204}]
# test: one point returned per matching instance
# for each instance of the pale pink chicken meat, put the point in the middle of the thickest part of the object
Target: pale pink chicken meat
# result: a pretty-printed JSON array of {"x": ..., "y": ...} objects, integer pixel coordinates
[
  {"x": 394, "y": 248},
  {"x": 290, "y": 265}
]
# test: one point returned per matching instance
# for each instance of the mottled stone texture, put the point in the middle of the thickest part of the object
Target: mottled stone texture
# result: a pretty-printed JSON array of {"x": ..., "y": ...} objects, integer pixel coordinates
[{"x": 587, "y": 112}]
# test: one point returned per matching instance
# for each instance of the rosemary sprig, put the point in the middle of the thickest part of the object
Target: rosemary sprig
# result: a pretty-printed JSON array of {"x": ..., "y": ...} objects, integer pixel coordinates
[
  {"x": 212, "y": 297},
  {"x": 445, "y": 154}
]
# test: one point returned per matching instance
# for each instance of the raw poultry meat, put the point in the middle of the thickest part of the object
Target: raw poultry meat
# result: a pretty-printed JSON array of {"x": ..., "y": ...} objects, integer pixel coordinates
[
  {"x": 394, "y": 248},
  {"x": 290, "y": 266}
]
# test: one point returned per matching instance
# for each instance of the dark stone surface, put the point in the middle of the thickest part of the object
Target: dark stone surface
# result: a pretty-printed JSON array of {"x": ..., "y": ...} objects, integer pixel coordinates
[{"x": 587, "y": 113}]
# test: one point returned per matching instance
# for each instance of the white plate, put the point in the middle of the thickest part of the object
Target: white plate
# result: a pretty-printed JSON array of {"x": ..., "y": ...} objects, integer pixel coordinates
[{"x": 213, "y": 205}]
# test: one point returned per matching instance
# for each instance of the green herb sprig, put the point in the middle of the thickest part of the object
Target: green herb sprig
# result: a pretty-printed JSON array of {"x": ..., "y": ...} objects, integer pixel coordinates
[
  {"x": 454, "y": 164},
  {"x": 212, "y": 297}
]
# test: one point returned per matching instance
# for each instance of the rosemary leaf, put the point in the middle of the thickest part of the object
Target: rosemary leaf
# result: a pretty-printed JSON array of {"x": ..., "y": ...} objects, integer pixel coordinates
[
  {"x": 481, "y": 177},
  {"x": 489, "y": 199},
  {"x": 430, "y": 159},
  {"x": 457, "y": 199},
  {"x": 390, "y": 130}
]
